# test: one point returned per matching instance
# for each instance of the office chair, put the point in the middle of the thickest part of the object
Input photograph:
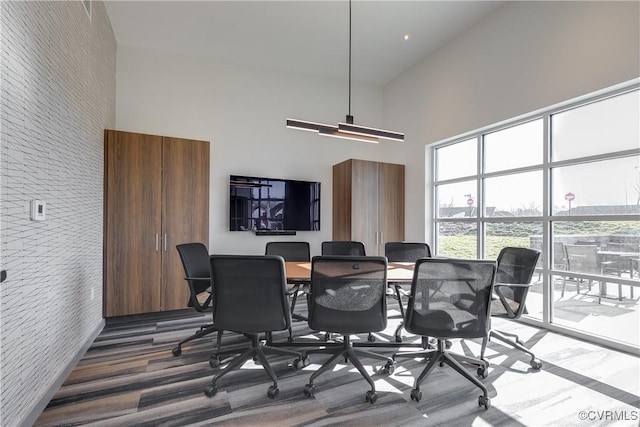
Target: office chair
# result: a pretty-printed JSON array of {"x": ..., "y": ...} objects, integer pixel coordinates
[
  {"x": 450, "y": 299},
  {"x": 250, "y": 297},
  {"x": 347, "y": 296},
  {"x": 195, "y": 261},
  {"x": 343, "y": 247},
  {"x": 404, "y": 252},
  {"x": 515, "y": 270},
  {"x": 296, "y": 252}
]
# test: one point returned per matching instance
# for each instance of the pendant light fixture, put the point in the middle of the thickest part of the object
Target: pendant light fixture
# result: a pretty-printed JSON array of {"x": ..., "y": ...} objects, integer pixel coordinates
[{"x": 347, "y": 129}]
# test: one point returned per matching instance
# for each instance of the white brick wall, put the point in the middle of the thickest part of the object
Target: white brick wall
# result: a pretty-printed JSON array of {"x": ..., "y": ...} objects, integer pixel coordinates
[{"x": 57, "y": 91}]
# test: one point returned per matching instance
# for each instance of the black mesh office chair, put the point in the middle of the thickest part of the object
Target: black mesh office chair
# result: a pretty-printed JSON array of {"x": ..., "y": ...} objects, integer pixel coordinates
[
  {"x": 404, "y": 252},
  {"x": 515, "y": 270},
  {"x": 195, "y": 261},
  {"x": 250, "y": 297},
  {"x": 450, "y": 299},
  {"x": 347, "y": 296},
  {"x": 296, "y": 252},
  {"x": 343, "y": 247},
  {"x": 346, "y": 248}
]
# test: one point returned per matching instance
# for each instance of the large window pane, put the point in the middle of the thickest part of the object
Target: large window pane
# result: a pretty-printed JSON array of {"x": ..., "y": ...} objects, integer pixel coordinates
[
  {"x": 456, "y": 200},
  {"x": 610, "y": 187},
  {"x": 606, "y": 126},
  {"x": 457, "y": 160},
  {"x": 457, "y": 240},
  {"x": 514, "y": 147},
  {"x": 514, "y": 195},
  {"x": 519, "y": 234}
]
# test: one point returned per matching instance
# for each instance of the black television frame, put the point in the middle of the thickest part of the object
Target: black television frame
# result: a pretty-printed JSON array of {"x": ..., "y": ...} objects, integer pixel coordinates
[{"x": 266, "y": 213}]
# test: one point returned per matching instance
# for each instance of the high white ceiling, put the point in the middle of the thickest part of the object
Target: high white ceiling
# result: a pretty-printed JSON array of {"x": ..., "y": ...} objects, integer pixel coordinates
[{"x": 307, "y": 37}]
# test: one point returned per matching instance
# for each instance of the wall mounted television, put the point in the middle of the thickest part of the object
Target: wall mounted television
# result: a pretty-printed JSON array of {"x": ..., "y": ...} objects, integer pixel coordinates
[{"x": 270, "y": 205}]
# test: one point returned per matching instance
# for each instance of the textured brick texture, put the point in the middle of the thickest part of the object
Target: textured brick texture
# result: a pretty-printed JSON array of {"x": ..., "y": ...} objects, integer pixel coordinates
[{"x": 57, "y": 86}]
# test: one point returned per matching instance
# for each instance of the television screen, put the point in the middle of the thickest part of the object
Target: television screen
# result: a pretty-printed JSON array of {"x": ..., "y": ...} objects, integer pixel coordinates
[{"x": 267, "y": 204}]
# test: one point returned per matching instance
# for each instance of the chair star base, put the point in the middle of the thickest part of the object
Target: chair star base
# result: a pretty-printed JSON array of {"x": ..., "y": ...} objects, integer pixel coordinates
[
  {"x": 441, "y": 356},
  {"x": 349, "y": 353},
  {"x": 257, "y": 351}
]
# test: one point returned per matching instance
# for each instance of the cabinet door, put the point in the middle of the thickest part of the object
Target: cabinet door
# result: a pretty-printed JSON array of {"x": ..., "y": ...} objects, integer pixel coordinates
[
  {"x": 185, "y": 212},
  {"x": 365, "y": 204},
  {"x": 391, "y": 203},
  {"x": 132, "y": 223}
]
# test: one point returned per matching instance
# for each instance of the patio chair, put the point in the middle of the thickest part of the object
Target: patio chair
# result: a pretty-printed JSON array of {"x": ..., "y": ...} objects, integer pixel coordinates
[{"x": 584, "y": 259}]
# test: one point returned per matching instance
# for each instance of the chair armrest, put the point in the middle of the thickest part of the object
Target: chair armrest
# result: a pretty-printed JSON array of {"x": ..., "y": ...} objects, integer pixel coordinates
[
  {"x": 514, "y": 285},
  {"x": 200, "y": 279}
]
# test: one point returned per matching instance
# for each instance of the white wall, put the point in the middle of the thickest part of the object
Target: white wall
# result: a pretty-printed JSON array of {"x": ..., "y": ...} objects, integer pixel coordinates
[
  {"x": 242, "y": 111},
  {"x": 57, "y": 96},
  {"x": 522, "y": 57}
]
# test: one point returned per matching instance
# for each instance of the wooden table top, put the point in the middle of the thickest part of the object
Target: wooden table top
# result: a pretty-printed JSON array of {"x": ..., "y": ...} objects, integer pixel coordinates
[{"x": 396, "y": 271}]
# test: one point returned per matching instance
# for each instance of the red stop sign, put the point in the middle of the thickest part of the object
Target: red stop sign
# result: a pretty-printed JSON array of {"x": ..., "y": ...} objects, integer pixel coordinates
[
  {"x": 470, "y": 201},
  {"x": 569, "y": 197}
]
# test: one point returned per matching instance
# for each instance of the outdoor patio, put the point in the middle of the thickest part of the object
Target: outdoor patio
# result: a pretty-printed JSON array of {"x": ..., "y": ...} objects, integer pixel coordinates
[{"x": 613, "y": 319}]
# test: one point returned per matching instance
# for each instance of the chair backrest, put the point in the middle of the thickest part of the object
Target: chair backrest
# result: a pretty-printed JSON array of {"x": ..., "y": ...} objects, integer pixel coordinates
[
  {"x": 249, "y": 293},
  {"x": 450, "y": 298},
  {"x": 406, "y": 251},
  {"x": 516, "y": 266},
  {"x": 347, "y": 294},
  {"x": 582, "y": 258},
  {"x": 343, "y": 247},
  {"x": 290, "y": 251},
  {"x": 195, "y": 261}
]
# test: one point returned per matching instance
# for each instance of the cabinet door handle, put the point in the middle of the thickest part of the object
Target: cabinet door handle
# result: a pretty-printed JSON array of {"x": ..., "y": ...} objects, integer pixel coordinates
[
  {"x": 165, "y": 242},
  {"x": 381, "y": 237},
  {"x": 157, "y": 246}
]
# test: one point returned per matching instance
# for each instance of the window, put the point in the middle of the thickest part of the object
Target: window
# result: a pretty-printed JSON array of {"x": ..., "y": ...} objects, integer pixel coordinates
[{"x": 579, "y": 205}]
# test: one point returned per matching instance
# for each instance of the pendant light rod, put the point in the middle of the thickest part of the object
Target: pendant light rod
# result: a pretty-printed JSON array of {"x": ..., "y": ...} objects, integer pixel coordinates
[
  {"x": 349, "y": 115},
  {"x": 347, "y": 129}
]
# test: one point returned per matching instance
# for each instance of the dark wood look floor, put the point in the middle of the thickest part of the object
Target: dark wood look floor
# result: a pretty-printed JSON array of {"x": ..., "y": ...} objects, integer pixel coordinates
[{"x": 130, "y": 378}]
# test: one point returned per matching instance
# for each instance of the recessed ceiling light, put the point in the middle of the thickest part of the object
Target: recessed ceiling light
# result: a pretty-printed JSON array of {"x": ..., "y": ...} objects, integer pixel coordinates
[{"x": 406, "y": 36}]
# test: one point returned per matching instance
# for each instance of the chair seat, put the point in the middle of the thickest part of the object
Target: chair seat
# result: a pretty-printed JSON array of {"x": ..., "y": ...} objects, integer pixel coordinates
[{"x": 497, "y": 309}]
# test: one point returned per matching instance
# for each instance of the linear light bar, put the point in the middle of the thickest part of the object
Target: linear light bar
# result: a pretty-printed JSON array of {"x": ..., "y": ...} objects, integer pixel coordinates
[
  {"x": 305, "y": 125},
  {"x": 327, "y": 130},
  {"x": 370, "y": 132},
  {"x": 335, "y": 133}
]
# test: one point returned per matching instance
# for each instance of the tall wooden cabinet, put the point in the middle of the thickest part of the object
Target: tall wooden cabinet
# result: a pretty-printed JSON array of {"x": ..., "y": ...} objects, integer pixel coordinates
[
  {"x": 368, "y": 203},
  {"x": 156, "y": 196}
]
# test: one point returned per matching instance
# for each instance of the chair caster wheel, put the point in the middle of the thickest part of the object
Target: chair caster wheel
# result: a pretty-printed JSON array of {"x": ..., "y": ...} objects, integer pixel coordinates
[
  {"x": 176, "y": 351},
  {"x": 214, "y": 361},
  {"x": 482, "y": 372},
  {"x": 300, "y": 363},
  {"x": 389, "y": 368},
  {"x": 309, "y": 390},
  {"x": 371, "y": 396},
  {"x": 447, "y": 344},
  {"x": 416, "y": 395},
  {"x": 371, "y": 338},
  {"x": 210, "y": 391},
  {"x": 535, "y": 364},
  {"x": 273, "y": 392},
  {"x": 484, "y": 401}
]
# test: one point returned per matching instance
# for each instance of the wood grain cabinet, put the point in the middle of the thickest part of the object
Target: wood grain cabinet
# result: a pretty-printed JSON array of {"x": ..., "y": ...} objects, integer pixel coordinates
[
  {"x": 156, "y": 196},
  {"x": 368, "y": 203}
]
